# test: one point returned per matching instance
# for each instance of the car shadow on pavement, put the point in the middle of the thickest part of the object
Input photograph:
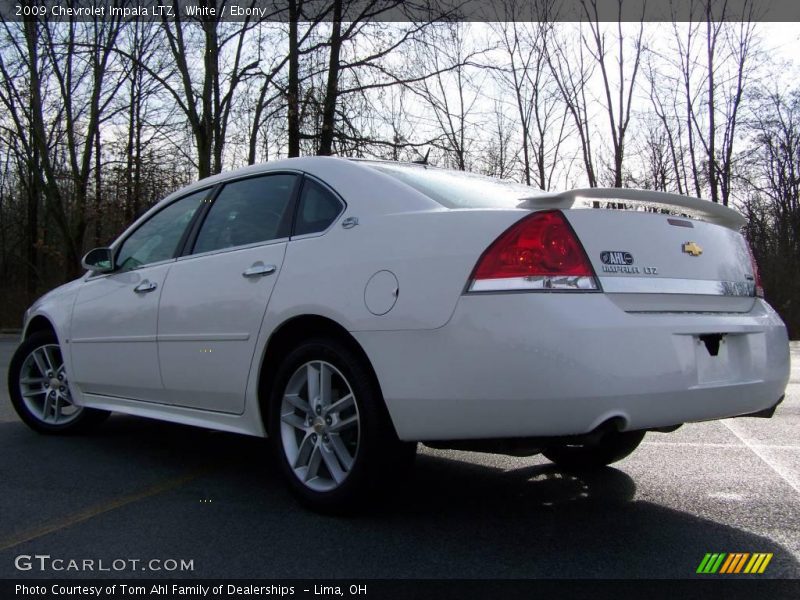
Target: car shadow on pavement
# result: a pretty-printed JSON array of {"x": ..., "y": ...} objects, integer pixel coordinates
[{"x": 453, "y": 517}]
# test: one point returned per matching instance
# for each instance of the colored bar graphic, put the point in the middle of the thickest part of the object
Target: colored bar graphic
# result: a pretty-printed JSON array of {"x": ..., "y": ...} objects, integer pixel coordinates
[
  {"x": 741, "y": 562},
  {"x": 703, "y": 563},
  {"x": 711, "y": 563},
  {"x": 726, "y": 566},
  {"x": 732, "y": 563},
  {"x": 758, "y": 563},
  {"x": 765, "y": 563}
]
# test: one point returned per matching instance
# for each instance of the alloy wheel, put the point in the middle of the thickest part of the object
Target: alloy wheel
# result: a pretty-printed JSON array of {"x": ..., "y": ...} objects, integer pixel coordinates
[
  {"x": 320, "y": 427},
  {"x": 44, "y": 388}
]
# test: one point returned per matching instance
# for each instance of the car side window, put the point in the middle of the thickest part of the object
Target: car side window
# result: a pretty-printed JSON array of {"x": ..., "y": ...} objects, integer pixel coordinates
[
  {"x": 246, "y": 212},
  {"x": 157, "y": 238},
  {"x": 318, "y": 208}
]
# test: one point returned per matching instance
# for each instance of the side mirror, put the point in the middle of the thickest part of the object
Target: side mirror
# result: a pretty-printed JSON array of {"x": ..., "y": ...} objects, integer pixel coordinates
[{"x": 99, "y": 260}]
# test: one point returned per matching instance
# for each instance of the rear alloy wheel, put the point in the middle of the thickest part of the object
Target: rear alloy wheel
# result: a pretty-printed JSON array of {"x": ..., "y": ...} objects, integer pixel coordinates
[
  {"x": 320, "y": 425},
  {"x": 612, "y": 446},
  {"x": 330, "y": 430},
  {"x": 40, "y": 394}
]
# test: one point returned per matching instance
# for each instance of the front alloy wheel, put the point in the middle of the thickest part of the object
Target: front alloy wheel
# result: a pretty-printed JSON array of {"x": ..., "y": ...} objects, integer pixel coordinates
[
  {"x": 39, "y": 390},
  {"x": 44, "y": 389}
]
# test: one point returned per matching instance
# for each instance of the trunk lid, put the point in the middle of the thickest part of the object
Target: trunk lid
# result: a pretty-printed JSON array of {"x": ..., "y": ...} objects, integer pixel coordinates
[{"x": 652, "y": 262}]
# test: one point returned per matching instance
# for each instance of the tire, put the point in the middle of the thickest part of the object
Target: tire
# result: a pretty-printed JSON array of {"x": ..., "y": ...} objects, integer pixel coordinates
[
  {"x": 39, "y": 390},
  {"x": 612, "y": 447},
  {"x": 338, "y": 449}
]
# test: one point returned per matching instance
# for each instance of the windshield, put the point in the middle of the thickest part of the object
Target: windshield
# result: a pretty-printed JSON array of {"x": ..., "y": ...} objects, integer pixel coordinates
[{"x": 458, "y": 189}]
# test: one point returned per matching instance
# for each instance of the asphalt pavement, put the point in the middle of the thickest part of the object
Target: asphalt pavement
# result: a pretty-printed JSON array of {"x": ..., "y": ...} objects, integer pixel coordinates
[{"x": 140, "y": 490}]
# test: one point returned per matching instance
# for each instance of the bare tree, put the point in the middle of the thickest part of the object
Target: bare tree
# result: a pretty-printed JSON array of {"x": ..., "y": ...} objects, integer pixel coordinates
[
  {"x": 622, "y": 84},
  {"x": 572, "y": 74},
  {"x": 142, "y": 39},
  {"x": 716, "y": 66},
  {"x": 726, "y": 89},
  {"x": 206, "y": 95},
  {"x": 75, "y": 60},
  {"x": 500, "y": 155},
  {"x": 541, "y": 111},
  {"x": 452, "y": 90},
  {"x": 19, "y": 144},
  {"x": 656, "y": 154},
  {"x": 664, "y": 94},
  {"x": 357, "y": 63},
  {"x": 773, "y": 202}
]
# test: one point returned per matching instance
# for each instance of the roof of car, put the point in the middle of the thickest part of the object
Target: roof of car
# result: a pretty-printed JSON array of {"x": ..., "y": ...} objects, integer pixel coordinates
[{"x": 303, "y": 163}]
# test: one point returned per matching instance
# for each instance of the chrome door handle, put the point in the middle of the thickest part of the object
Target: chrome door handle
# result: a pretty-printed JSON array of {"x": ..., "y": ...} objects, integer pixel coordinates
[
  {"x": 259, "y": 270},
  {"x": 145, "y": 286}
]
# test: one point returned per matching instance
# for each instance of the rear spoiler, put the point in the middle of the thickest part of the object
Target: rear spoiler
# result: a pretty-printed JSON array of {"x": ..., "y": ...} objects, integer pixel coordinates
[{"x": 696, "y": 207}]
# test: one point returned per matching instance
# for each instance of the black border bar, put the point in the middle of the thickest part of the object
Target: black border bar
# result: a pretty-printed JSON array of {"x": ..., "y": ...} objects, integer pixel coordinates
[
  {"x": 458, "y": 589},
  {"x": 407, "y": 10}
]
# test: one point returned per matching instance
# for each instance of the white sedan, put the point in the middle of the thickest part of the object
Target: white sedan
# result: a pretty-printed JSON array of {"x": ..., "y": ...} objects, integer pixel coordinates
[{"x": 350, "y": 309}]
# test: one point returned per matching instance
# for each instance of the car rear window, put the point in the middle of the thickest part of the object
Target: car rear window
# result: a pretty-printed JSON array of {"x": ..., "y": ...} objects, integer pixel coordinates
[{"x": 458, "y": 189}]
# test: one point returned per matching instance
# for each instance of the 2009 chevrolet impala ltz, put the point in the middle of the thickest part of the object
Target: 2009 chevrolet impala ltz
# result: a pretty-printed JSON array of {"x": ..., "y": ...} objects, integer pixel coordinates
[{"x": 350, "y": 309}]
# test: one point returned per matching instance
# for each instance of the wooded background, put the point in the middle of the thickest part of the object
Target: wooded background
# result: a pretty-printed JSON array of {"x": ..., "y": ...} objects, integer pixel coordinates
[{"x": 101, "y": 118}]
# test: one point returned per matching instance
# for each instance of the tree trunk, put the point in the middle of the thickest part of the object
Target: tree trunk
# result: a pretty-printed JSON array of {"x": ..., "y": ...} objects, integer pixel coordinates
[
  {"x": 331, "y": 92},
  {"x": 34, "y": 193},
  {"x": 293, "y": 99},
  {"x": 712, "y": 158}
]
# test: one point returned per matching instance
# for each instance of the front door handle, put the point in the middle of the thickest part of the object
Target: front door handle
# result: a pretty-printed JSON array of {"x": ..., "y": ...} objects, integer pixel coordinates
[
  {"x": 259, "y": 270},
  {"x": 145, "y": 286}
]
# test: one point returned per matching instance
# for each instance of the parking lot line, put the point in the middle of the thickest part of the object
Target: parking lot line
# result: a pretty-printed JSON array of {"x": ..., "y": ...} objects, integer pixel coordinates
[
  {"x": 787, "y": 476},
  {"x": 94, "y": 511},
  {"x": 719, "y": 445}
]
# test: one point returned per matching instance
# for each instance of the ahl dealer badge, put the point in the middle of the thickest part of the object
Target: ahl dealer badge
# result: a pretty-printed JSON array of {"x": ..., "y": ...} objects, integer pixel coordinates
[{"x": 619, "y": 261}]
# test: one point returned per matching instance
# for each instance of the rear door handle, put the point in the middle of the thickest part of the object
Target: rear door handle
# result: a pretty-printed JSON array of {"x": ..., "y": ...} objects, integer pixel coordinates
[
  {"x": 145, "y": 286},
  {"x": 259, "y": 270}
]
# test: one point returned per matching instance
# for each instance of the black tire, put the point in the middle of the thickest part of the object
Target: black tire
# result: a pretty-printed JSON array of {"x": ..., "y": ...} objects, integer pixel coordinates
[
  {"x": 81, "y": 419},
  {"x": 378, "y": 457},
  {"x": 610, "y": 448}
]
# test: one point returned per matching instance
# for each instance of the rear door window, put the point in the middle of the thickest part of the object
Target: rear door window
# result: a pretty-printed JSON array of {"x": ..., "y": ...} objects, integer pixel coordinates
[
  {"x": 247, "y": 211},
  {"x": 318, "y": 208}
]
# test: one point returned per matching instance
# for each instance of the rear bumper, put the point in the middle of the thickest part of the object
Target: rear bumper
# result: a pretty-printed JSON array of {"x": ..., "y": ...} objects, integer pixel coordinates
[
  {"x": 522, "y": 365},
  {"x": 765, "y": 413}
]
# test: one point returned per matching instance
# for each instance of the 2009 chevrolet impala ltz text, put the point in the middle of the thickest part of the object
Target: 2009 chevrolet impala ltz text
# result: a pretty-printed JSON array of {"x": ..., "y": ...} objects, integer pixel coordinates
[{"x": 348, "y": 309}]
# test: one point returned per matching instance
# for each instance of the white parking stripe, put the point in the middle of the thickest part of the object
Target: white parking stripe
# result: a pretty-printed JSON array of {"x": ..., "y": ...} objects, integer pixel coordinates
[
  {"x": 720, "y": 445},
  {"x": 787, "y": 476}
]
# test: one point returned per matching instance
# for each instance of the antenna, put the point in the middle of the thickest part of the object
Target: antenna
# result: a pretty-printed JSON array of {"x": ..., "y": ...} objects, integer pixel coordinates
[{"x": 423, "y": 160}]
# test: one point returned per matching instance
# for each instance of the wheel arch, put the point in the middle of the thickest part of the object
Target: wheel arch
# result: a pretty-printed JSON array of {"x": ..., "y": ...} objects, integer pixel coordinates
[
  {"x": 288, "y": 335},
  {"x": 37, "y": 324}
]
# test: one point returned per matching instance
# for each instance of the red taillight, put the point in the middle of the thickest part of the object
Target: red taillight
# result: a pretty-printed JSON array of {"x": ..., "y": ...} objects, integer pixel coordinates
[
  {"x": 538, "y": 252},
  {"x": 756, "y": 274}
]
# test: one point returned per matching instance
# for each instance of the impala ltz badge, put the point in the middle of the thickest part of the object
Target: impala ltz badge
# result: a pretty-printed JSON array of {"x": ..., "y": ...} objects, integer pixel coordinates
[
  {"x": 692, "y": 248},
  {"x": 618, "y": 261}
]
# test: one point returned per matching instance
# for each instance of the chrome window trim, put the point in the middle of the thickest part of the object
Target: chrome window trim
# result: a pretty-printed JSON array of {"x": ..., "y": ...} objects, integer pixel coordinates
[
  {"x": 233, "y": 248},
  {"x": 668, "y": 285},
  {"x": 91, "y": 276},
  {"x": 265, "y": 173},
  {"x": 305, "y": 236}
]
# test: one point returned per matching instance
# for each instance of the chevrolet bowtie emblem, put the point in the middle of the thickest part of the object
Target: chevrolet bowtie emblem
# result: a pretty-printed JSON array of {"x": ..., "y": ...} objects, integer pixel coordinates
[{"x": 692, "y": 248}]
